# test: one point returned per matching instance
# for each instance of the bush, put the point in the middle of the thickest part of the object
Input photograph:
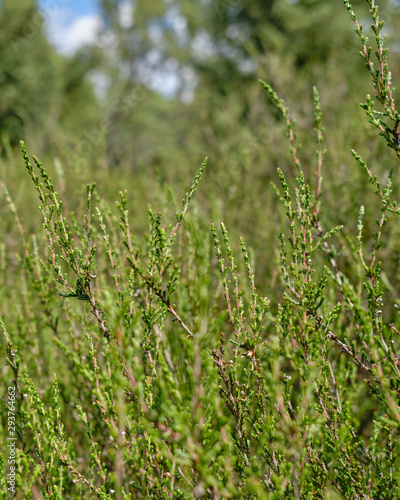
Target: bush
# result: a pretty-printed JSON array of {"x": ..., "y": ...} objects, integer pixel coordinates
[{"x": 173, "y": 377}]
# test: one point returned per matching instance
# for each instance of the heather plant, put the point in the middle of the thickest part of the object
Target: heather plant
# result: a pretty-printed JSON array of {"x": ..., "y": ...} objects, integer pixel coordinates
[{"x": 156, "y": 367}]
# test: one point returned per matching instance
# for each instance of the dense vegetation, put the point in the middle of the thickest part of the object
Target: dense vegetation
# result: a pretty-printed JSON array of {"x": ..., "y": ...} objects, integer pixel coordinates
[{"x": 150, "y": 349}]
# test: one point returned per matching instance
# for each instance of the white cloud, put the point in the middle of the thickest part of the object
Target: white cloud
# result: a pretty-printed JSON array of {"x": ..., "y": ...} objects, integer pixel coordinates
[
  {"x": 125, "y": 14},
  {"x": 101, "y": 83},
  {"x": 69, "y": 35}
]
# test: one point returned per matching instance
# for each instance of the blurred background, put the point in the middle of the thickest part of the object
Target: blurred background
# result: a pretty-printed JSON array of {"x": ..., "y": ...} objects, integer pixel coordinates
[{"x": 134, "y": 94}]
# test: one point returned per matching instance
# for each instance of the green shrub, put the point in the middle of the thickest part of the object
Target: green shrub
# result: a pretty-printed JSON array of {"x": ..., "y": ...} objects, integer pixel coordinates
[{"x": 153, "y": 368}]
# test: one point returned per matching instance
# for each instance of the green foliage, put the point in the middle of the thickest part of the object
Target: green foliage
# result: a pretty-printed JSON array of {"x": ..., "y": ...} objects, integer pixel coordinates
[
  {"x": 151, "y": 364},
  {"x": 29, "y": 87},
  {"x": 39, "y": 98}
]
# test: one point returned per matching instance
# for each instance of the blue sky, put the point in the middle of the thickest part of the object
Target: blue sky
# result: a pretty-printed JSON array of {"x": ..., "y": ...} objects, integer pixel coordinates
[
  {"x": 73, "y": 23},
  {"x": 77, "y": 7},
  {"x": 70, "y": 23}
]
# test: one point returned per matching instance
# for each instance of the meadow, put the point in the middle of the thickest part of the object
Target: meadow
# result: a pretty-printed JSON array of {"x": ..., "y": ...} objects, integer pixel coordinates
[{"x": 200, "y": 301}]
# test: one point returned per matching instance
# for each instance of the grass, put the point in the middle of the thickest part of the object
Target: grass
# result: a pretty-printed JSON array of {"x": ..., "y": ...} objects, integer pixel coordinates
[{"x": 166, "y": 366}]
